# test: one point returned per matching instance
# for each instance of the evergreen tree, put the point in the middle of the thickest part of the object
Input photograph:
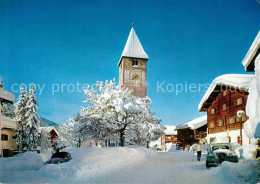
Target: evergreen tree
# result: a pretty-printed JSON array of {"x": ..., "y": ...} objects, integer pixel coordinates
[
  {"x": 32, "y": 122},
  {"x": 20, "y": 111}
]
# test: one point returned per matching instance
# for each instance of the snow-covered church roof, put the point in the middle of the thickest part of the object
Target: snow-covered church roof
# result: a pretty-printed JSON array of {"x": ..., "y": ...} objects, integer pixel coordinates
[
  {"x": 251, "y": 54},
  {"x": 240, "y": 81},
  {"x": 133, "y": 47},
  {"x": 193, "y": 124}
]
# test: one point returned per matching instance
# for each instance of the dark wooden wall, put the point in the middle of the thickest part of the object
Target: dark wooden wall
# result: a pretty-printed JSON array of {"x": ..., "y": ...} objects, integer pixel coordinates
[
  {"x": 188, "y": 136},
  {"x": 224, "y": 119}
]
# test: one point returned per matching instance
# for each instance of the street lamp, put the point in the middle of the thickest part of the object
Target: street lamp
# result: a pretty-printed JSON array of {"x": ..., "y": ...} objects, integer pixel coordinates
[{"x": 240, "y": 114}]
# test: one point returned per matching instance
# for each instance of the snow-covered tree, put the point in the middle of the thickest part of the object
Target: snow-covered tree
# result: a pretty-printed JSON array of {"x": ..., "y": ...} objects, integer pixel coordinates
[
  {"x": 21, "y": 120},
  {"x": 7, "y": 110},
  {"x": 44, "y": 140},
  {"x": 68, "y": 134},
  {"x": 113, "y": 113},
  {"x": 32, "y": 121}
]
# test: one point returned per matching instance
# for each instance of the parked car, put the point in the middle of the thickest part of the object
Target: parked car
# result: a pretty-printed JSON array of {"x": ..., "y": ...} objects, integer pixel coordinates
[
  {"x": 179, "y": 145},
  {"x": 218, "y": 153},
  {"x": 59, "y": 158}
]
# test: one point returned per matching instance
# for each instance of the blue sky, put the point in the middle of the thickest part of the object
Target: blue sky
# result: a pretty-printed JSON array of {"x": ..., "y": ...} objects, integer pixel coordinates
[{"x": 49, "y": 42}]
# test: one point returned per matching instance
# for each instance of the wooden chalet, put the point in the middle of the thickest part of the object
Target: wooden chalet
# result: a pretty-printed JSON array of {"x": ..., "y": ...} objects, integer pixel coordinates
[
  {"x": 170, "y": 137},
  {"x": 52, "y": 132},
  {"x": 193, "y": 131},
  {"x": 224, "y": 98}
]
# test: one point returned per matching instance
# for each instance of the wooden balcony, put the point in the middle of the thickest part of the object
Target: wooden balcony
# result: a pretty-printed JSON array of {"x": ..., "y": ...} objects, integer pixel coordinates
[
  {"x": 170, "y": 138},
  {"x": 224, "y": 128}
]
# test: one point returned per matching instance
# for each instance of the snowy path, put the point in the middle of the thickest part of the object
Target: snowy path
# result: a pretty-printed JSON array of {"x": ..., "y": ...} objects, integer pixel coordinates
[{"x": 177, "y": 167}]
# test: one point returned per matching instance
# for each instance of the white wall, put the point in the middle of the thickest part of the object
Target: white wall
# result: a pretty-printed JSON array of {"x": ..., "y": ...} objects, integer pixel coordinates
[{"x": 232, "y": 133}]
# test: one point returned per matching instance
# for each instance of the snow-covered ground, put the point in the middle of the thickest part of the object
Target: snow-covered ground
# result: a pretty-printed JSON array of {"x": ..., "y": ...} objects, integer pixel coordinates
[{"x": 124, "y": 165}]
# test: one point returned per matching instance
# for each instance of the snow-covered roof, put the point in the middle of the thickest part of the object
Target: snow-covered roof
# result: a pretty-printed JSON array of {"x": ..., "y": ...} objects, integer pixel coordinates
[
  {"x": 193, "y": 124},
  {"x": 170, "y": 130},
  {"x": 133, "y": 47},
  {"x": 49, "y": 129},
  {"x": 241, "y": 81},
  {"x": 249, "y": 58}
]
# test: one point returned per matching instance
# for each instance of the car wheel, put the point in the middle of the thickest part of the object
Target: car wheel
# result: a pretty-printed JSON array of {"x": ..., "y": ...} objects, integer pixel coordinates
[{"x": 207, "y": 165}]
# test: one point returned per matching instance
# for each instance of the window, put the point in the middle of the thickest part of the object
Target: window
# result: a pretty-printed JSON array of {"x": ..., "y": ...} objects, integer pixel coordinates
[
  {"x": 211, "y": 124},
  {"x": 212, "y": 111},
  {"x": 224, "y": 93},
  {"x": 135, "y": 63},
  {"x": 231, "y": 120},
  {"x": 220, "y": 122},
  {"x": 239, "y": 101},
  {"x": 224, "y": 107},
  {"x": 4, "y": 137}
]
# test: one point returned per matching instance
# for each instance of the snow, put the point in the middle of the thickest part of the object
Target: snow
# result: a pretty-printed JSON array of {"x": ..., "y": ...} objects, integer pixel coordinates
[
  {"x": 252, "y": 51},
  {"x": 246, "y": 171},
  {"x": 234, "y": 80},
  {"x": 219, "y": 140},
  {"x": 252, "y": 125},
  {"x": 133, "y": 47},
  {"x": 48, "y": 129},
  {"x": 246, "y": 152},
  {"x": 124, "y": 165},
  {"x": 222, "y": 151},
  {"x": 194, "y": 124},
  {"x": 170, "y": 130},
  {"x": 86, "y": 163}
]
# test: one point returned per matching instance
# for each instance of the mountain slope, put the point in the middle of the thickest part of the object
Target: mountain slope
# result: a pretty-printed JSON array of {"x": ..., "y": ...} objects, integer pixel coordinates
[{"x": 45, "y": 122}]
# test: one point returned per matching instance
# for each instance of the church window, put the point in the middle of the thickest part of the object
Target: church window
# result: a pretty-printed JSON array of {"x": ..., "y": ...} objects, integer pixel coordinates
[{"x": 135, "y": 63}]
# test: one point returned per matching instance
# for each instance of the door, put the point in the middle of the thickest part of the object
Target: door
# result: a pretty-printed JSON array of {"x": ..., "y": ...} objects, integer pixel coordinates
[{"x": 5, "y": 152}]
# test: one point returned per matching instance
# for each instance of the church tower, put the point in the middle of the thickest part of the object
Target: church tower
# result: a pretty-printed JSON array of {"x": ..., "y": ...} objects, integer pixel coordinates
[{"x": 133, "y": 66}]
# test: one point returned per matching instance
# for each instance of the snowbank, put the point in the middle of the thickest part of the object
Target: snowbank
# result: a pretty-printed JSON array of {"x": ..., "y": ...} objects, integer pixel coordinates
[
  {"x": 86, "y": 163},
  {"x": 29, "y": 161},
  {"x": 246, "y": 152},
  {"x": 245, "y": 171},
  {"x": 252, "y": 125}
]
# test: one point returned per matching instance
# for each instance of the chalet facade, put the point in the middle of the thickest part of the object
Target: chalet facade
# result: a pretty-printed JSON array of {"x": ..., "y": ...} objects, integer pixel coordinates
[
  {"x": 169, "y": 138},
  {"x": 8, "y": 145},
  {"x": 193, "y": 131},
  {"x": 224, "y": 98},
  {"x": 52, "y": 133}
]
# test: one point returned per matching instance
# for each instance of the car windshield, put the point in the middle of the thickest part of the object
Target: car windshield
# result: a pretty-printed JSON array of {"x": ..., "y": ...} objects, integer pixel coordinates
[{"x": 220, "y": 147}]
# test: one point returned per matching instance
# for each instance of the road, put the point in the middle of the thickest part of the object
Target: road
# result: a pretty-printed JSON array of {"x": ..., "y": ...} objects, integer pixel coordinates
[{"x": 169, "y": 167}]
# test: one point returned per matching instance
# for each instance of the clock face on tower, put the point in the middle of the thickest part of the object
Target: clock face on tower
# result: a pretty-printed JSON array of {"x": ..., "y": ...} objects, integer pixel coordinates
[{"x": 135, "y": 77}]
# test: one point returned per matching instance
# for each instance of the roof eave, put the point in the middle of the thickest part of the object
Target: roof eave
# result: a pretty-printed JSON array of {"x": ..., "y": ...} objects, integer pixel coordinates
[
  {"x": 254, "y": 49},
  {"x": 130, "y": 57},
  {"x": 210, "y": 99}
]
